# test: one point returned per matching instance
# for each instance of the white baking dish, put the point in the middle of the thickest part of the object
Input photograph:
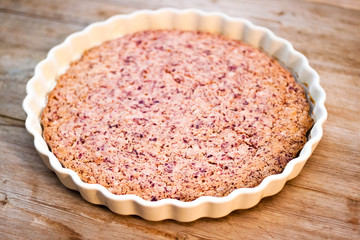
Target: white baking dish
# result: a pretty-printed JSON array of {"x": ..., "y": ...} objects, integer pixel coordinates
[{"x": 59, "y": 58}]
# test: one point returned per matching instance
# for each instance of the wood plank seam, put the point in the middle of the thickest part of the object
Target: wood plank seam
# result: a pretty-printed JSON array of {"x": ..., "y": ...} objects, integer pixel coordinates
[{"x": 43, "y": 17}]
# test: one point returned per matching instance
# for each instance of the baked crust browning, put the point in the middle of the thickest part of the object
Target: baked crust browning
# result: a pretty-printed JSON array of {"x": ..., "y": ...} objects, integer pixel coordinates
[{"x": 173, "y": 114}]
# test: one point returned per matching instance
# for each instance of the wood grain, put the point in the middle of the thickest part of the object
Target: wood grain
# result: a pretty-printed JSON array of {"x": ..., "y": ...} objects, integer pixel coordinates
[
  {"x": 350, "y": 4},
  {"x": 322, "y": 202}
]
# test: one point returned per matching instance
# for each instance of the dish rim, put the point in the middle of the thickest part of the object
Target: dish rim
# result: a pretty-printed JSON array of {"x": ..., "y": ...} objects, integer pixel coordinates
[{"x": 31, "y": 105}]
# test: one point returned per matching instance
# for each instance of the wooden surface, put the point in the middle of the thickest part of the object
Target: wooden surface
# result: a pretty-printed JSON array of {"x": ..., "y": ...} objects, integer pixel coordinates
[{"x": 323, "y": 202}]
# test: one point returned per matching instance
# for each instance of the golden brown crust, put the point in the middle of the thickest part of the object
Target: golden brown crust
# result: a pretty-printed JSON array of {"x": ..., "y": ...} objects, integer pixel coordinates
[{"x": 171, "y": 114}]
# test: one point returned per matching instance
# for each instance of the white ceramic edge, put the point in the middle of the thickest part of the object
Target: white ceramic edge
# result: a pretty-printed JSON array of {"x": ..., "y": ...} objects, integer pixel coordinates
[{"x": 60, "y": 56}]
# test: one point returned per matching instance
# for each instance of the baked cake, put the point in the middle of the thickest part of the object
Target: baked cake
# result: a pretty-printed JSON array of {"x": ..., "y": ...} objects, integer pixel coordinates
[{"x": 175, "y": 114}]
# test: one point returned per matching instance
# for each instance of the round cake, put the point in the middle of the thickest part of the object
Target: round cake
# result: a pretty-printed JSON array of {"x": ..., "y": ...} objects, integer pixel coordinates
[{"x": 175, "y": 114}]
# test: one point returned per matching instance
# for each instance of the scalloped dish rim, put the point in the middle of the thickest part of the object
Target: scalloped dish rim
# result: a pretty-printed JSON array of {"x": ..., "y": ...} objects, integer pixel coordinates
[{"x": 59, "y": 57}]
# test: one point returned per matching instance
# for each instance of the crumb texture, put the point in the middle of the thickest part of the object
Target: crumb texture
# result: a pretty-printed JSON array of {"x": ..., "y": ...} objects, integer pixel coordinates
[{"x": 172, "y": 114}]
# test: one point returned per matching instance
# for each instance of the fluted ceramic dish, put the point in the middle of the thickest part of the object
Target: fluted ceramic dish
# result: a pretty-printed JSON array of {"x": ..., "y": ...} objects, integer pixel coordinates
[{"x": 59, "y": 58}]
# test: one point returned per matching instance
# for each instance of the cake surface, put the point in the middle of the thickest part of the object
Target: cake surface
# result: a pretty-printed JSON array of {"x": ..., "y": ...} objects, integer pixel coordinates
[{"x": 173, "y": 114}]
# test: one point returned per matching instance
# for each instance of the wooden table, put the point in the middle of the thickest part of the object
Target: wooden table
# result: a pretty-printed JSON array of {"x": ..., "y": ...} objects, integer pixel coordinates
[{"x": 322, "y": 202}]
